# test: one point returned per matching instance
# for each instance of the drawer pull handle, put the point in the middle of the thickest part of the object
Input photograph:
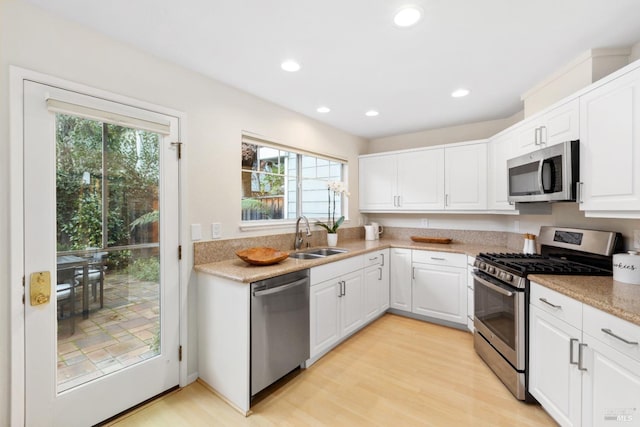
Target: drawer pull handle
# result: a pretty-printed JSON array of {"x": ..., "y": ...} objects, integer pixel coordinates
[
  {"x": 581, "y": 357},
  {"x": 609, "y": 332},
  {"x": 438, "y": 259},
  {"x": 373, "y": 259},
  {"x": 571, "y": 342},
  {"x": 544, "y": 300}
]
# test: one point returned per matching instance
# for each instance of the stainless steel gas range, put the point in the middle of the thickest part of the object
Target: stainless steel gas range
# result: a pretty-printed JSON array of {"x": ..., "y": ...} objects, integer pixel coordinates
[{"x": 501, "y": 301}]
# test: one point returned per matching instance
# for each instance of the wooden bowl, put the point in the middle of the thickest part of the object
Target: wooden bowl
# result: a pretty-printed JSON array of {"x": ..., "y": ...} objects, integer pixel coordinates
[
  {"x": 262, "y": 256},
  {"x": 440, "y": 240}
]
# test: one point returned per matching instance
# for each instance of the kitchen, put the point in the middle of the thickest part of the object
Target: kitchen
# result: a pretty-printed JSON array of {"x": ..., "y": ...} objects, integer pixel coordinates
[{"x": 213, "y": 133}]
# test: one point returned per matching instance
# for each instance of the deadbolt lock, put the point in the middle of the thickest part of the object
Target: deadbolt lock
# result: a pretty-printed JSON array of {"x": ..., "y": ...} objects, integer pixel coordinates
[{"x": 40, "y": 287}]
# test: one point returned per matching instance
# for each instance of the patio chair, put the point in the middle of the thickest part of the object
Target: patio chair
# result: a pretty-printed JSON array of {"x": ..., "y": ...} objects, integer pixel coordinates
[
  {"x": 65, "y": 294},
  {"x": 97, "y": 267}
]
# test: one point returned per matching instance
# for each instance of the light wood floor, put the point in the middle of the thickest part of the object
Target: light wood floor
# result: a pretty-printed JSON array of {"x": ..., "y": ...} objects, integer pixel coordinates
[{"x": 395, "y": 372}]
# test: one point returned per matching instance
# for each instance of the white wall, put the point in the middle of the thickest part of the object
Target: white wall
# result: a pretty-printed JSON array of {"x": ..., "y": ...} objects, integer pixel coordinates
[
  {"x": 429, "y": 137},
  {"x": 216, "y": 116}
]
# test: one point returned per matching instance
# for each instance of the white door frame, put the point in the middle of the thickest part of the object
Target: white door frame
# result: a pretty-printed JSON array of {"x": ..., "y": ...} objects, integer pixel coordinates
[{"x": 16, "y": 205}]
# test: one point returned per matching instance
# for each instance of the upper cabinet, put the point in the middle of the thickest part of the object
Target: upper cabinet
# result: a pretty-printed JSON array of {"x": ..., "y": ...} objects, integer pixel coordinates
[
  {"x": 610, "y": 148},
  {"x": 430, "y": 179},
  {"x": 559, "y": 124},
  {"x": 404, "y": 181},
  {"x": 465, "y": 182},
  {"x": 499, "y": 150}
]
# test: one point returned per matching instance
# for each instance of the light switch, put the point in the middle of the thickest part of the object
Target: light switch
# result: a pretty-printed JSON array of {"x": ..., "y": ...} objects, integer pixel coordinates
[
  {"x": 216, "y": 230},
  {"x": 196, "y": 232}
]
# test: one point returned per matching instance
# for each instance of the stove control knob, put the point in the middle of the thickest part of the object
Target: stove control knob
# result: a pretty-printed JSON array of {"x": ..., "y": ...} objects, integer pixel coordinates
[
  {"x": 508, "y": 277},
  {"x": 492, "y": 270},
  {"x": 483, "y": 266}
]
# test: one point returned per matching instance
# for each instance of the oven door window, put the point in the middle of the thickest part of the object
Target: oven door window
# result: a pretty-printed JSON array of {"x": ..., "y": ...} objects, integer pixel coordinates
[{"x": 496, "y": 310}]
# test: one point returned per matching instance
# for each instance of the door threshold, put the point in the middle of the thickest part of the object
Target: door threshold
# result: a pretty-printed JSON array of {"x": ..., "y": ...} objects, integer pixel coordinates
[{"x": 128, "y": 412}]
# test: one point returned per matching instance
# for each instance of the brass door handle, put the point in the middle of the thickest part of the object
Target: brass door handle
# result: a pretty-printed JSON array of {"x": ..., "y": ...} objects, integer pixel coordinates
[{"x": 40, "y": 288}]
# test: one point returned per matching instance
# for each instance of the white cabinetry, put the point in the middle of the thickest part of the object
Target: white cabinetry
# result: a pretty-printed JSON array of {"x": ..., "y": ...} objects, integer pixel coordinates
[
  {"x": 439, "y": 287},
  {"x": 470, "y": 294},
  {"x": 430, "y": 179},
  {"x": 336, "y": 302},
  {"x": 465, "y": 180},
  {"x": 499, "y": 150},
  {"x": 559, "y": 124},
  {"x": 584, "y": 363},
  {"x": 400, "y": 279},
  {"x": 406, "y": 181},
  {"x": 610, "y": 148},
  {"x": 554, "y": 335},
  {"x": 376, "y": 284}
]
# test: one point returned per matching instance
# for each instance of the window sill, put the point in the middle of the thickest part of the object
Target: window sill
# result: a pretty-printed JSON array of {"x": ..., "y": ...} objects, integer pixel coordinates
[{"x": 276, "y": 225}]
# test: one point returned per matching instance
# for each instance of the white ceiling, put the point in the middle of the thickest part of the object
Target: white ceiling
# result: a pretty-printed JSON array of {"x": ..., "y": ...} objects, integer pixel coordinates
[{"x": 354, "y": 59}]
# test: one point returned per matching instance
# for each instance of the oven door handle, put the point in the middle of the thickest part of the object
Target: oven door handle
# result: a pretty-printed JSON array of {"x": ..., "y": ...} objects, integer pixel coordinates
[{"x": 492, "y": 286}]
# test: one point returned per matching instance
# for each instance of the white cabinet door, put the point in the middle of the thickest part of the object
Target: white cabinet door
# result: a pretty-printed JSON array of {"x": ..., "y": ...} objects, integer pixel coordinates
[
  {"x": 610, "y": 146},
  {"x": 421, "y": 180},
  {"x": 352, "y": 310},
  {"x": 554, "y": 378},
  {"x": 610, "y": 386},
  {"x": 324, "y": 310},
  {"x": 558, "y": 125},
  {"x": 527, "y": 136},
  {"x": 561, "y": 124},
  {"x": 384, "y": 281},
  {"x": 440, "y": 292},
  {"x": 378, "y": 182},
  {"x": 470, "y": 293},
  {"x": 372, "y": 292},
  {"x": 466, "y": 177},
  {"x": 400, "y": 279},
  {"x": 499, "y": 150}
]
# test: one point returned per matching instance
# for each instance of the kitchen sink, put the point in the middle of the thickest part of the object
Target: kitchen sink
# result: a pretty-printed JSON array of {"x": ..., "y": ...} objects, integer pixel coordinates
[{"x": 317, "y": 253}]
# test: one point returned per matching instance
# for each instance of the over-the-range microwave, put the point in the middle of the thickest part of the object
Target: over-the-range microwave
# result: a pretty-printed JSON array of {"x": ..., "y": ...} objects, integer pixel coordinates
[{"x": 546, "y": 175}]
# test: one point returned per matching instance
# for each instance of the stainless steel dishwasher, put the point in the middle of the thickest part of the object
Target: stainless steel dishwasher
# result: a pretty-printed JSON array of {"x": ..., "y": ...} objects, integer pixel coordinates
[{"x": 279, "y": 327}]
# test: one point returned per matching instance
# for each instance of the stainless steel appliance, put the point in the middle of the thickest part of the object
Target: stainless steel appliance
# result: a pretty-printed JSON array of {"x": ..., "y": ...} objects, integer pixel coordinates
[
  {"x": 279, "y": 327},
  {"x": 501, "y": 294},
  {"x": 546, "y": 175}
]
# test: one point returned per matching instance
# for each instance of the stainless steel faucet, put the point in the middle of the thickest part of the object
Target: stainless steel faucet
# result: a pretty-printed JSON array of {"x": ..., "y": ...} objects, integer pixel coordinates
[{"x": 297, "y": 243}]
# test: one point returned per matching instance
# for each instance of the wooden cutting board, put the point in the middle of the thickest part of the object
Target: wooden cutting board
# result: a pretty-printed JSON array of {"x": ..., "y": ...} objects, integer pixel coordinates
[{"x": 441, "y": 240}]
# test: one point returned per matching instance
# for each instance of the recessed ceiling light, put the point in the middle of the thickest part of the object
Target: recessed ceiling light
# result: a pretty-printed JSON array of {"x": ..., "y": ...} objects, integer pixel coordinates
[
  {"x": 323, "y": 109},
  {"x": 290, "y": 65},
  {"x": 459, "y": 93},
  {"x": 407, "y": 16},
  {"x": 371, "y": 113}
]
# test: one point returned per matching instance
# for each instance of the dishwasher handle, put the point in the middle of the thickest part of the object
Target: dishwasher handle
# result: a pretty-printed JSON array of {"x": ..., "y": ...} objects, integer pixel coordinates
[{"x": 280, "y": 288}]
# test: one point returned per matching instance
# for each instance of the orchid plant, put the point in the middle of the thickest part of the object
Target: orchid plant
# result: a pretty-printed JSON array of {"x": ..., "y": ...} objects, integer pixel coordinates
[{"x": 335, "y": 189}]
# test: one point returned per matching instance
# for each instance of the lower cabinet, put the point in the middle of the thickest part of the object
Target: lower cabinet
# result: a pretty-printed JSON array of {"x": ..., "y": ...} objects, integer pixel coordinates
[
  {"x": 470, "y": 300},
  {"x": 336, "y": 309},
  {"x": 345, "y": 296},
  {"x": 400, "y": 279},
  {"x": 439, "y": 286},
  {"x": 584, "y": 363},
  {"x": 376, "y": 284}
]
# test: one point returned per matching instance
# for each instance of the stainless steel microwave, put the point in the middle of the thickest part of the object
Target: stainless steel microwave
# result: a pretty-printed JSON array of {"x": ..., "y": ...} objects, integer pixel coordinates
[{"x": 546, "y": 175}]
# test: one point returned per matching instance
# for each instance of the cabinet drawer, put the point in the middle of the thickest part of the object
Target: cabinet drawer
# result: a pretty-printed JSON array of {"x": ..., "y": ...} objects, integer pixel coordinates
[
  {"x": 440, "y": 258},
  {"x": 376, "y": 258},
  {"x": 596, "y": 320},
  {"x": 334, "y": 269},
  {"x": 566, "y": 308}
]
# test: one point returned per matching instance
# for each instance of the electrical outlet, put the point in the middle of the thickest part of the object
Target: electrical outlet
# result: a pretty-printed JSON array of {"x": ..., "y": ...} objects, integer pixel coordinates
[
  {"x": 196, "y": 232},
  {"x": 216, "y": 230},
  {"x": 636, "y": 239},
  {"x": 424, "y": 223}
]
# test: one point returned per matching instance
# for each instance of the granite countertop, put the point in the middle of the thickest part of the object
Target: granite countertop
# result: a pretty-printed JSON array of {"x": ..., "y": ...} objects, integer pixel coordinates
[
  {"x": 602, "y": 292},
  {"x": 616, "y": 298},
  {"x": 238, "y": 270}
]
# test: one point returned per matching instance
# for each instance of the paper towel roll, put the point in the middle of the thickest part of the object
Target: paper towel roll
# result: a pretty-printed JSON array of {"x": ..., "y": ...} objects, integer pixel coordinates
[{"x": 626, "y": 268}]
